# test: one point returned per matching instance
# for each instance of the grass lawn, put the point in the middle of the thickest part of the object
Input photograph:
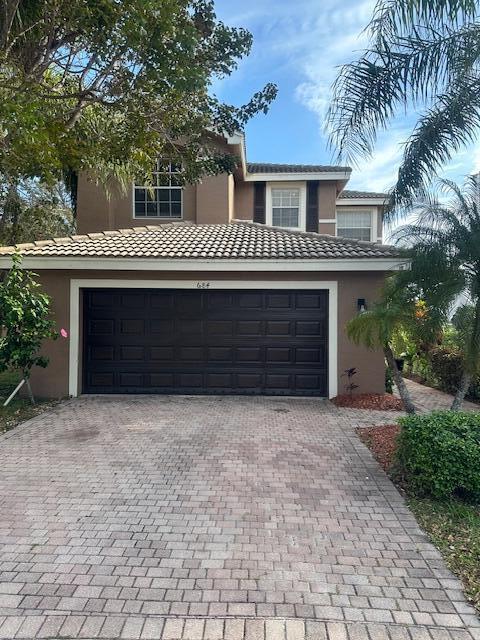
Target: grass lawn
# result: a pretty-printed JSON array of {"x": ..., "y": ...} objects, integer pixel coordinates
[
  {"x": 19, "y": 409},
  {"x": 453, "y": 526}
]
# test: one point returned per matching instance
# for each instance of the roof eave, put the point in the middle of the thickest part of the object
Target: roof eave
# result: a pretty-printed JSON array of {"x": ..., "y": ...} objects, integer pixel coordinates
[
  {"x": 384, "y": 263},
  {"x": 379, "y": 202},
  {"x": 297, "y": 176}
]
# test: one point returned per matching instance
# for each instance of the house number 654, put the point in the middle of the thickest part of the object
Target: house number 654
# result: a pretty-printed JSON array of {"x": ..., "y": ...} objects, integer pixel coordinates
[{"x": 203, "y": 285}]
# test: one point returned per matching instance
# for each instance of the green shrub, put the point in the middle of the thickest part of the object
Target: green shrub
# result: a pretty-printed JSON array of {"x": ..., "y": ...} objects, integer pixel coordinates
[
  {"x": 439, "y": 454},
  {"x": 447, "y": 367}
]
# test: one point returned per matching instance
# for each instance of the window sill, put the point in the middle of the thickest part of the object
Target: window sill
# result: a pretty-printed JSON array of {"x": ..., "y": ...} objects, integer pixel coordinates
[{"x": 162, "y": 219}]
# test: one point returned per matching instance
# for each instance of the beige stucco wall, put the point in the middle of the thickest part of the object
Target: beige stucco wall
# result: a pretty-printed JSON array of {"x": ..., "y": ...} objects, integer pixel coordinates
[
  {"x": 326, "y": 228},
  {"x": 212, "y": 202},
  {"x": 244, "y": 200},
  {"x": 53, "y": 381},
  {"x": 327, "y": 200},
  {"x": 216, "y": 199},
  {"x": 99, "y": 209}
]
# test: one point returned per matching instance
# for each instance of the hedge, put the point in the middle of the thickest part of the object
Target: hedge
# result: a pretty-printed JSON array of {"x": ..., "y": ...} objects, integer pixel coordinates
[{"x": 438, "y": 454}]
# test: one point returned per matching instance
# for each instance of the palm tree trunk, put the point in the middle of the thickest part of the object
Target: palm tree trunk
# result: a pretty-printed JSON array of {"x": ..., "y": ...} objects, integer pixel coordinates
[
  {"x": 461, "y": 391},
  {"x": 399, "y": 381}
]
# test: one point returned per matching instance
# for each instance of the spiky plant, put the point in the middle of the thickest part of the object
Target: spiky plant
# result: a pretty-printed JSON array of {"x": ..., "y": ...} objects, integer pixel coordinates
[
  {"x": 445, "y": 239},
  {"x": 424, "y": 54}
]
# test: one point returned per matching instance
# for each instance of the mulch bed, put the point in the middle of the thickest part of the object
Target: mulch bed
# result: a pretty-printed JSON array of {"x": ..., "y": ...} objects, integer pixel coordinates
[
  {"x": 382, "y": 442},
  {"x": 375, "y": 401}
]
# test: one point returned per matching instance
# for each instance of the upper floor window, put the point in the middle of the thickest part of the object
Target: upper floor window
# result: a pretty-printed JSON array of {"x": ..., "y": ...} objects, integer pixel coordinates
[
  {"x": 356, "y": 225},
  {"x": 286, "y": 206},
  {"x": 164, "y": 198}
]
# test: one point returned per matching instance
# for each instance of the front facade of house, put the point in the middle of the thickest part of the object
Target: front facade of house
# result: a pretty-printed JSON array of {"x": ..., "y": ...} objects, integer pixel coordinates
[{"x": 241, "y": 284}]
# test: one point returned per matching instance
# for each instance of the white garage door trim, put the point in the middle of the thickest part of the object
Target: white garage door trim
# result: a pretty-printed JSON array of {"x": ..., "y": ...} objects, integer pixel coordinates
[{"x": 77, "y": 285}]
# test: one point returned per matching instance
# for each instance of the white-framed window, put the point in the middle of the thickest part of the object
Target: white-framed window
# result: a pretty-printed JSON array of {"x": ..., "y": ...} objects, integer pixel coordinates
[
  {"x": 164, "y": 197},
  {"x": 355, "y": 224},
  {"x": 286, "y": 205}
]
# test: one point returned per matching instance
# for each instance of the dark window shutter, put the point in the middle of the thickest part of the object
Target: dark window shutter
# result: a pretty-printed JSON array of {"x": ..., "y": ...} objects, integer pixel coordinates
[
  {"x": 259, "y": 202},
  {"x": 312, "y": 206}
]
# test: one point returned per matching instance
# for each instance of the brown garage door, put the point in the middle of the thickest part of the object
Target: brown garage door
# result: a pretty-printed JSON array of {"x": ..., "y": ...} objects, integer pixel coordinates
[{"x": 184, "y": 341}]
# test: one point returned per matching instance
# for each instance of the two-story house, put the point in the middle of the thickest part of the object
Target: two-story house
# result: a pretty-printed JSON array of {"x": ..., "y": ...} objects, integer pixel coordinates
[{"x": 242, "y": 283}]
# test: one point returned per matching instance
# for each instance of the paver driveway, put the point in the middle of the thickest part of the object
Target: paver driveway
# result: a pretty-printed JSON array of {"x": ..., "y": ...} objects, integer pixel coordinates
[{"x": 212, "y": 518}]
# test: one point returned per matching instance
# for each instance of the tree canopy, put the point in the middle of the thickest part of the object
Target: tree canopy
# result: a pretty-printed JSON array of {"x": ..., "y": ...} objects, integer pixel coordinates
[
  {"x": 423, "y": 55},
  {"x": 108, "y": 86}
]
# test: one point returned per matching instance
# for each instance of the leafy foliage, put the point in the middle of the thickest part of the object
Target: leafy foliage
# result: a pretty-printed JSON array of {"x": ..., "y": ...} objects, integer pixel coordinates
[
  {"x": 439, "y": 454},
  {"x": 350, "y": 374},
  {"x": 446, "y": 250},
  {"x": 107, "y": 87},
  {"x": 34, "y": 211},
  {"x": 423, "y": 55},
  {"x": 24, "y": 321}
]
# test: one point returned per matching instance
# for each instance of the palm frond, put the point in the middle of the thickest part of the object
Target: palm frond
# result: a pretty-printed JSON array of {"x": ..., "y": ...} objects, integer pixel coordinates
[
  {"x": 368, "y": 92},
  {"x": 445, "y": 128},
  {"x": 396, "y": 17}
]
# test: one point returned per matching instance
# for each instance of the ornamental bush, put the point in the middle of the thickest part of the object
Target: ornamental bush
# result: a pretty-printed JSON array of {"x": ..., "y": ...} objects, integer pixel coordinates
[
  {"x": 438, "y": 454},
  {"x": 24, "y": 321},
  {"x": 447, "y": 367}
]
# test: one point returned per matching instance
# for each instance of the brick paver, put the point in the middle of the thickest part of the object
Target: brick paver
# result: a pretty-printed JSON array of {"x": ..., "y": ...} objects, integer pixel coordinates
[
  {"x": 205, "y": 518},
  {"x": 428, "y": 399}
]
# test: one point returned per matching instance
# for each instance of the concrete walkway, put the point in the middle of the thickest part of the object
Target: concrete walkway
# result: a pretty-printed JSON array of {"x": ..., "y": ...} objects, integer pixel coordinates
[
  {"x": 428, "y": 399},
  {"x": 208, "y": 518}
]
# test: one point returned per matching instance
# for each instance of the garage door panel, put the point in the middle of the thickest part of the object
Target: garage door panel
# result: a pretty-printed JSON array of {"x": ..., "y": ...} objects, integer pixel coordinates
[
  {"x": 190, "y": 380},
  {"x": 191, "y": 354},
  {"x": 101, "y": 353},
  {"x": 278, "y": 301},
  {"x": 181, "y": 341},
  {"x": 249, "y": 381},
  {"x": 249, "y": 328},
  {"x": 248, "y": 354},
  {"x": 309, "y": 355},
  {"x": 220, "y": 327},
  {"x": 131, "y": 379},
  {"x": 162, "y": 354},
  {"x": 280, "y": 381},
  {"x": 278, "y": 328},
  {"x": 220, "y": 354},
  {"x": 162, "y": 300},
  {"x": 101, "y": 327},
  {"x": 162, "y": 380},
  {"x": 132, "y": 326},
  {"x": 250, "y": 300},
  {"x": 309, "y": 301},
  {"x": 132, "y": 352},
  {"x": 310, "y": 328},
  {"x": 132, "y": 300},
  {"x": 278, "y": 354}
]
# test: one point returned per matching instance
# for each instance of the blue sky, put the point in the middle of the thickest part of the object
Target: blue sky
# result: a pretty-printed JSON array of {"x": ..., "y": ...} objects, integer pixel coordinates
[{"x": 298, "y": 44}]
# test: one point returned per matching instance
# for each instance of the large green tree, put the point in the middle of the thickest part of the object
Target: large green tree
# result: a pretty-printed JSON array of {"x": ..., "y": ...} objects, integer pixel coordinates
[
  {"x": 108, "y": 86},
  {"x": 424, "y": 56},
  {"x": 34, "y": 211}
]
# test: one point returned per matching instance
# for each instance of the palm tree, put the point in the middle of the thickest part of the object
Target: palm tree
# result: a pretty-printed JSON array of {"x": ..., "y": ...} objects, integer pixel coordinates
[
  {"x": 424, "y": 54},
  {"x": 375, "y": 328},
  {"x": 446, "y": 240}
]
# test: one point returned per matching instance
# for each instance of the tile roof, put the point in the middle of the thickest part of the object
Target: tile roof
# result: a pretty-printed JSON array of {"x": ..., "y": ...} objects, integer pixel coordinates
[
  {"x": 236, "y": 240},
  {"x": 267, "y": 167},
  {"x": 349, "y": 194}
]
